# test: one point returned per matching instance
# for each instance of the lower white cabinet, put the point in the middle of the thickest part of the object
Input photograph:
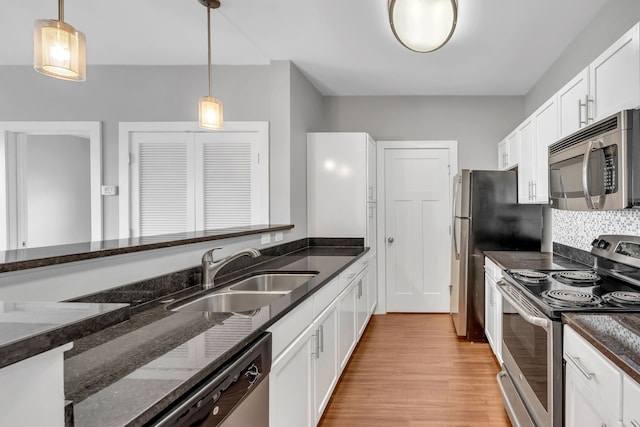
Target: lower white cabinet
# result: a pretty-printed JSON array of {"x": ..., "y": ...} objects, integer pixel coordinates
[
  {"x": 308, "y": 360},
  {"x": 630, "y": 403},
  {"x": 373, "y": 283},
  {"x": 493, "y": 308},
  {"x": 583, "y": 407}
]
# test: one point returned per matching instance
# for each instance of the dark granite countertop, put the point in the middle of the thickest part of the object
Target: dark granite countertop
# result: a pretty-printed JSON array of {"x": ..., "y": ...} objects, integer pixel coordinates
[
  {"x": 31, "y": 328},
  {"x": 20, "y": 259},
  {"x": 127, "y": 374},
  {"x": 507, "y": 260},
  {"x": 617, "y": 336}
]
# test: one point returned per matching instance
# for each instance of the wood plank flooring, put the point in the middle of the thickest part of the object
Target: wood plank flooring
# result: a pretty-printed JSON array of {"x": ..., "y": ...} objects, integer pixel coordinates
[{"x": 412, "y": 370}]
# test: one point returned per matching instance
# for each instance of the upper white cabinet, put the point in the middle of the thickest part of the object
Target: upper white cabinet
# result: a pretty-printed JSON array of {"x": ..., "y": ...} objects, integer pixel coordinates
[
  {"x": 572, "y": 114},
  {"x": 502, "y": 154},
  {"x": 609, "y": 84},
  {"x": 526, "y": 162},
  {"x": 341, "y": 184},
  {"x": 508, "y": 151}
]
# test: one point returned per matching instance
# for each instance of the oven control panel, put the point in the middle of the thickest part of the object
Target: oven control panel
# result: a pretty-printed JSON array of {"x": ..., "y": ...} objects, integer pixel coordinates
[{"x": 619, "y": 248}]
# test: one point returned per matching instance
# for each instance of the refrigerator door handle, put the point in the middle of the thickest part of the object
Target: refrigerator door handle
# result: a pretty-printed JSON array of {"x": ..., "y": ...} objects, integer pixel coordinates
[{"x": 456, "y": 188}]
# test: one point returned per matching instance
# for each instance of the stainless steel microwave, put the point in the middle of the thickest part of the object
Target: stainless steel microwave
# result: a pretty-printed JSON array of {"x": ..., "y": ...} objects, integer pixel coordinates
[{"x": 598, "y": 167}]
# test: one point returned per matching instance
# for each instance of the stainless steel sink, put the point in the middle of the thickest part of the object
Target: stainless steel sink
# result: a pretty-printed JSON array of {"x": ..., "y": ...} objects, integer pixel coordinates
[
  {"x": 249, "y": 294},
  {"x": 232, "y": 302},
  {"x": 273, "y": 282}
]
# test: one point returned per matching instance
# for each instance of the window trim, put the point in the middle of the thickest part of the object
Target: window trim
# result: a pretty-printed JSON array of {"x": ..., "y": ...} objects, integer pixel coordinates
[{"x": 126, "y": 129}]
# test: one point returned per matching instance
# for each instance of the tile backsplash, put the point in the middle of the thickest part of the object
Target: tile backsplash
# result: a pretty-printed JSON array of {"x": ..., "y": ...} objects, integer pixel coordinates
[{"x": 578, "y": 229}]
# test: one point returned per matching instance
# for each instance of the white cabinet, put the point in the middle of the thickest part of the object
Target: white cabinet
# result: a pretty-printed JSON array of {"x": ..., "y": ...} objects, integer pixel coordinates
[
  {"x": 534, "y": 136},
  {"x": 493, "y": 308},
  {"x": 572, "y": 114},
  {"x": 373, "y": 283},
  {"x": 291, "y": 384},
  {"x": 341, "y": 184},
  {"x": 347, "y": 324},
  {"x": 362, "y": 301},
  {"x": 502, "y": 154},
  {"x": 325, "y": 359},
  {"x": 609, "y": 84},
  {"x": 593, "y": 391},
  {"x": 508, "y": 151},
  {"x": 630, "y": 403}
]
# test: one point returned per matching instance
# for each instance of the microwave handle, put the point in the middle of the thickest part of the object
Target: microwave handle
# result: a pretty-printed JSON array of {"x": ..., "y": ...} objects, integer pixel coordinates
[{"x": 585, "y": 173}]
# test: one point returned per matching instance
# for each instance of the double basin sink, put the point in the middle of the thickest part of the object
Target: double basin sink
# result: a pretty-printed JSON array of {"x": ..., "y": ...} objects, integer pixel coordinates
[{"x": 249, "y": 294}]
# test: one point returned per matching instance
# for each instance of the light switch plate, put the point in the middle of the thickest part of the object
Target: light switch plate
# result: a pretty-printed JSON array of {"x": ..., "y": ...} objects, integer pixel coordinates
[
  {"x": 266, "y": 238},
  {"x": 109, "y": 190},
  {"x": 279, "y": 236}
]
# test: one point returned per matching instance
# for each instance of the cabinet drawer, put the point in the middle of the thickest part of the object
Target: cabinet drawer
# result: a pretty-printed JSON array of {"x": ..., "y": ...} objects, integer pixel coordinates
[
  {"x": 631, "y": 399},
  {"x": 285, "y": 330},
  {"x": 325, "y": 296},
  {"x": 600, "y": 375},
  {"x": 352, "y": 271}
]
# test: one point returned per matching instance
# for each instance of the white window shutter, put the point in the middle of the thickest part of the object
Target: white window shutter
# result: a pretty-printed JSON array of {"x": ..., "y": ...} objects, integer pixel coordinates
[
  {"x": 224, "y": 178},
  {"x": 162, "y": 183}
]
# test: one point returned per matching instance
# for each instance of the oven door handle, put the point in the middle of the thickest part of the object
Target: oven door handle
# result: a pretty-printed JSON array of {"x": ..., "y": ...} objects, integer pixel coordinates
[
  {"x": 530, "y": 317},
  {"x": 585, "y": 173}
]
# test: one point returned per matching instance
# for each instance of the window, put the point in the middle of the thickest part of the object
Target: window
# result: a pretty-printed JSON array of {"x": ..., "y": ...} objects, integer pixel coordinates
[{"x": 193, "y": 180}]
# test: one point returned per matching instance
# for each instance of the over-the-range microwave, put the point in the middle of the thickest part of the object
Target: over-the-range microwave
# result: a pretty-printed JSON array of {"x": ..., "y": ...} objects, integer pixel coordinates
[{"x": 597, "y": 167}]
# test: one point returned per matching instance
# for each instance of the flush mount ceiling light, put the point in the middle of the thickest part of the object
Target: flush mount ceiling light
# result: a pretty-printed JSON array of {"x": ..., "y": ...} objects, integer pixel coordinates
[
  {"x": 423, "y": 25},
  {"x": 210, "y": 109},
  {"x": 59, "y": 50}
]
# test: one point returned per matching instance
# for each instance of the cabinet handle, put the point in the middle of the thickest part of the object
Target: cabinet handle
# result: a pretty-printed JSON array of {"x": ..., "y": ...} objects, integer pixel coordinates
[
  {"x": 370, "y": 192},
  {"x": 588, "y": 101},
  {"x": 583, "y": 370},
  {"x": 321, "y": 337},
  {"x": 359, "y": 288},
  {"x": 634, "y": 423},
  {"x": 580, "y": 105},
  {"x": 534, "y": 189},
  {"x": 351, "y": 276},
  {"x": 317, "y": 352}
]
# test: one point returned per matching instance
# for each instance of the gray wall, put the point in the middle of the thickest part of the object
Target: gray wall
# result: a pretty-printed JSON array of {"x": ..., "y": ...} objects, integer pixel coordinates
[
  {"x": 476, "y": 122},
  {"x": 613, "y": 20}
]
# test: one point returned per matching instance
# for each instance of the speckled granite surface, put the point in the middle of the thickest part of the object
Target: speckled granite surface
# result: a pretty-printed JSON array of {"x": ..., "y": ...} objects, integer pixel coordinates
[
  {"x": 127, "y": 374},
  {"x": 30, "y": 328},
  {"x": 507, "y": 260},
  {"x": 617, "y": 336}
]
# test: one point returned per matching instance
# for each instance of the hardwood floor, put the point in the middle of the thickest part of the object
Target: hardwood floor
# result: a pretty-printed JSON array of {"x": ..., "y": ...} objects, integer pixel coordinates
[{"x": 412, "y": 370}]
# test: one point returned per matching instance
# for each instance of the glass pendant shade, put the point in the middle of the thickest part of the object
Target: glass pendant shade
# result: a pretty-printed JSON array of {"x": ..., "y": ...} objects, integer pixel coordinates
[
  {"x": 423, "y": 25},
  {"x": 59, "y": 50},
  {"x": 210, "y": 113}
]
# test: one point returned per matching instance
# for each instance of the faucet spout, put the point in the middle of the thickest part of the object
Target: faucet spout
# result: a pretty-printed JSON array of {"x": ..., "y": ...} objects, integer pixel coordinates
[{"x": 210, "y": 267}]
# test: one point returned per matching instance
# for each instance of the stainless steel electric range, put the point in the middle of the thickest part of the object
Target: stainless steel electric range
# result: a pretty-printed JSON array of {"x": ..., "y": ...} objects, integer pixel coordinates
[{"x": 533, "y": 303}]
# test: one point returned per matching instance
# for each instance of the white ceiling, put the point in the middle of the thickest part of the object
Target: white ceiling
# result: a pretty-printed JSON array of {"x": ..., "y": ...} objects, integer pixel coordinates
[{"x": 344, "y": 47}]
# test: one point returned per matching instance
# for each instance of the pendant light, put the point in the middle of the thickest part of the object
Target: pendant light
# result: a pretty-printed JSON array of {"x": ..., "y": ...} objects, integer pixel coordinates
[
  {"x": 59, "y": 50},
  {"x": 423, "y": 25},
  {"x": 210, "y": 114}
]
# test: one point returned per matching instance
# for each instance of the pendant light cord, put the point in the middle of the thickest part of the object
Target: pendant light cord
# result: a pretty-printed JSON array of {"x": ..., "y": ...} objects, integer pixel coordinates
[
  {"x": 61, "y": 10},
  {"x": 208, "y": 46}
]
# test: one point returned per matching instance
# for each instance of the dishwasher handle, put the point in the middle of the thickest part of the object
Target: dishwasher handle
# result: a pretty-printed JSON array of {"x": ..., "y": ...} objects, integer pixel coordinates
[{"x": 215, "y": 398}]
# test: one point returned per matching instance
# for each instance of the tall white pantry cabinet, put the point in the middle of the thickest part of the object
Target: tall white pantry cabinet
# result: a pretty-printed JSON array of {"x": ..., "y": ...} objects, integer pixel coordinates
[{"x": 341, "y": 186}]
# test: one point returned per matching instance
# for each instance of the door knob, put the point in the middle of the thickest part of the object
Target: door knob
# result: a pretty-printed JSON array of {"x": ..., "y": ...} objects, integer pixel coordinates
[{"x": 390, "y": 240}]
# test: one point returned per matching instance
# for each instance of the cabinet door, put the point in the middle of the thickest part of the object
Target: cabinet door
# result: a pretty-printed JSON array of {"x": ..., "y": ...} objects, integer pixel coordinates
[
  {"x": 526, "y": 162},
  {"x": 372, "y": 224},
  {"x": 371, "y": 169},
  {"x": 291, "y": 384},
  {"x": 488, "y": 312},
  {"x": 630, "y": 400},
  {"x": 502, "y": 154},
  {"x": 582, "y": 407},
  {"x": 545, "y": 121},
  {"x": 512, "y": 150},
  {"x": 346, "y": 324},
  {"x": 614, "y": 77},
  {"x": 362, "y": 300},
  {"x": 373, "y": 283},
  {"x": 571, "y": 98},
  {"x": 325, "y": 359}
]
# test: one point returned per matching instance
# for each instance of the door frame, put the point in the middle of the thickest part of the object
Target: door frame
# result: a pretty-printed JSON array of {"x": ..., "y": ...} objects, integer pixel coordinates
[{"x": 452, "y": 146}]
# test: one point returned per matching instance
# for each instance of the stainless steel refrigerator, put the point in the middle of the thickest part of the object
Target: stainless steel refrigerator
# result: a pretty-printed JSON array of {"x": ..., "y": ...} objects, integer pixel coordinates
[{"x": 486, "y": 216}]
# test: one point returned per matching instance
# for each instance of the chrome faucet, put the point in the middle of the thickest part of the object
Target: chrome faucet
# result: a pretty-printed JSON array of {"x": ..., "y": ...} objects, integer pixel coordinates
[{"x": 210, "y": 267}]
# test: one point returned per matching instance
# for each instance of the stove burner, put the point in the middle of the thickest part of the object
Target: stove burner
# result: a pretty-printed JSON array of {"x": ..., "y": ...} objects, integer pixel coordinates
[
  {"x": 577, "y": 278},
  {"x": 530, "y": 276},
  {"x": 623, "y": 298},
  {"x": 571, "y": 298}
]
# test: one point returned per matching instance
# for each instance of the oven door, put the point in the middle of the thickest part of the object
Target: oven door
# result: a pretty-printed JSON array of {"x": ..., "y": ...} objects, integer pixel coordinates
[
  {"x": 532, "y": 360},
  {"x": 591, "y": 179}
]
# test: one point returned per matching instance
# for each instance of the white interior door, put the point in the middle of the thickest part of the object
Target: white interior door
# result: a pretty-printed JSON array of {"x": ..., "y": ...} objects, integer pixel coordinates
[{"x": 417, "y": 217}]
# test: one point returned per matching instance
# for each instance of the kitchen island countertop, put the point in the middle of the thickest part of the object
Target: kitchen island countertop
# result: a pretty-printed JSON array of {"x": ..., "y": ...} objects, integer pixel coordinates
[{"x": 617, "y": 336}]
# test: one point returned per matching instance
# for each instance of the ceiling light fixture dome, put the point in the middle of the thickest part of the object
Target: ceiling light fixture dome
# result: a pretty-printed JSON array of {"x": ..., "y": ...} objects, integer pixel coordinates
[
  {"x": 59, "y": 50},
  {"x": 210, "y": 111},
  {"x": 423, "y": 25}
]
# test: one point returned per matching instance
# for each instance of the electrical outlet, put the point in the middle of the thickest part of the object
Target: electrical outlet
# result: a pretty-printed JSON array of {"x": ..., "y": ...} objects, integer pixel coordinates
[
  {"x": 266, "y": 238},
  {"x": 279, "y": 236},
  {"x": 109, "y": 190}
]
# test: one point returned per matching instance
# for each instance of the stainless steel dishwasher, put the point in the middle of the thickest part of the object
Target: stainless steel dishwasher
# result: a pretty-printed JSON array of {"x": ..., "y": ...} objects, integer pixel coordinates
[{"x": 235, "y": 396}]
